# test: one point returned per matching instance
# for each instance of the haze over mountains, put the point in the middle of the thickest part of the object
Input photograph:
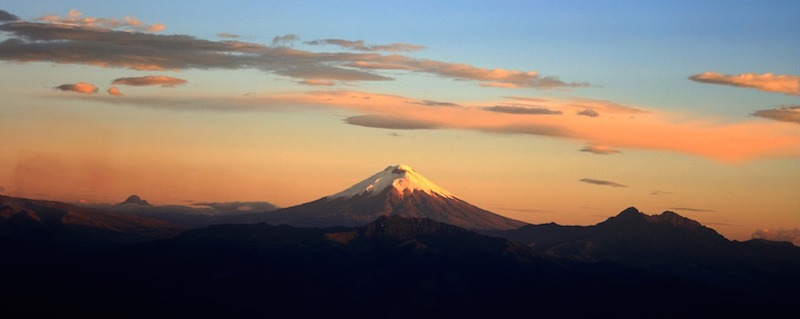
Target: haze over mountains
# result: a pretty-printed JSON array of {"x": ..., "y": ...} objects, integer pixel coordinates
[{"x": 394, "y": 245}]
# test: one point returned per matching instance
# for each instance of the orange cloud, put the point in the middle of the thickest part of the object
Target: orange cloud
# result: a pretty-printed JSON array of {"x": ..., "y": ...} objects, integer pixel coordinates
[
  {"x": 768, "y": 82},
  {"x": 127, "y": 23},
  {"x": 80, "y": 87},
  {"x": 114, "y": 91},
  {"x": 78, "y": 40},
  {"x": 784, "y": 114},
  {"x": 164, "y": 81},
  {"x": 638, "y": 129},
  {"x": 317, "y": 82}
]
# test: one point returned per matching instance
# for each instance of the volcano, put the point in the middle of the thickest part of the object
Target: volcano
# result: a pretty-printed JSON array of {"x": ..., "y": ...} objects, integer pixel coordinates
[{"x": 395, "y": 191}]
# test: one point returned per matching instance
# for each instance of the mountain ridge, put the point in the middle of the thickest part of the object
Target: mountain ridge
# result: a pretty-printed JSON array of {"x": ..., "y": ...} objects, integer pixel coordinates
[{"x": 396, "y": 190}]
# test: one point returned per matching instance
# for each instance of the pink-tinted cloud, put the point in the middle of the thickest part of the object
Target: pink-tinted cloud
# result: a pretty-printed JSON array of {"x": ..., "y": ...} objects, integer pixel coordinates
[
  {"x": 162, "y": 80},
  {"x": 642, "y": 130},
  {"x": 488, "y": 77},
  {"x": 317, "y": 82},
  {"x": 784, "y": 114},
  {"x": 80, "y": 87},
  {"x": 114, "y": 91},
  {"x": 767, "y": 82},
  {"x": 127, "y": 23}
]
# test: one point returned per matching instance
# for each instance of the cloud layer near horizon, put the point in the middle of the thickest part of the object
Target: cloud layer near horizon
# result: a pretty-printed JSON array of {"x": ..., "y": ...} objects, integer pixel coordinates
[
  {"x": 790, "y": 235},
  {"x": 767, "y": 82},
  {"x": 628, "y": 127},
  {"x": 124, "y": 44}
]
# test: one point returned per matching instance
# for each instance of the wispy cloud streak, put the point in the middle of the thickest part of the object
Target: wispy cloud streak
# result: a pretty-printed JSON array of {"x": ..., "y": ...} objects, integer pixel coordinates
[
  {"x": 767, "y": 82},
  {"x": 360, "y": 46},
  {"x": 127, "y": 23},
  {"x": 601, "y": 182},
  {"x": 599, "y": 149},
  {"x": 162, "y": 80},
  {"x": 79, "y": 41},
  {"x": 784, "y": 114}
]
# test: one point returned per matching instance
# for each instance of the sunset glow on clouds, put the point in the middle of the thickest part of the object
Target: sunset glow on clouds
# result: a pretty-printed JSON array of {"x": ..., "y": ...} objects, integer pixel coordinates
[
  {"x": 266, "y": 104},
  {"x": 80, "y": 87},
  {"x": 768, "y": 82},
  {"x": 164, "y": 81}
]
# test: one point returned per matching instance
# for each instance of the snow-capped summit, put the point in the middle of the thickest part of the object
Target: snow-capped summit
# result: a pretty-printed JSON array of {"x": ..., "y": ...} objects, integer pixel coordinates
[
  {"x": 402, "y": 177},
  {"x": 395, "y": 191}
]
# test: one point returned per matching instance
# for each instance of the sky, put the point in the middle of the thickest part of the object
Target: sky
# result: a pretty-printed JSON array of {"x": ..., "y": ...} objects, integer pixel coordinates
[{"x": 542, "y": 111}]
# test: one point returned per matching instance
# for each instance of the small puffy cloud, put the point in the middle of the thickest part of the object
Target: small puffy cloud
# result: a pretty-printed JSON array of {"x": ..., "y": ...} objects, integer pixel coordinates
[
  {"x": 128, "y": 23},
  {"x": 599, "y": 149},
  {"x": 767, "y": 82},
  {"x": 317, "y": 82},
  {"x": 114, "y": 91},
  {"x": 696, "y": 210},
  {"x": 601, "y": 182},
  {"x": 589, "y": 113},
  {"x": 80, "y": 87},
  {"x": 790, "y": 235},
  {"x": 227, "y": 35},
  {"x": 360, "y": 46},
  {"x": 284, "y": 40},
  {"x": 5, "y": 16},
  {"x": 389, "y": 122},
  {"x": 164, "y": 81},
  {"x": 521, "y": 110},
  {"x": 783, "y": 114}
]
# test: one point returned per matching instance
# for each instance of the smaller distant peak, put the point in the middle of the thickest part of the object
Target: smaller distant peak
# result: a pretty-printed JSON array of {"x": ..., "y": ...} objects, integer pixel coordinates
[
  {"x": 136, "y": 200},
  {"x": 630, "y": 211}
]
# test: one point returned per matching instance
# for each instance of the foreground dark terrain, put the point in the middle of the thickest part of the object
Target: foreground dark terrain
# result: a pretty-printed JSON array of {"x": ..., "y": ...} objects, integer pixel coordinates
[{"x": 632, "y": 265}]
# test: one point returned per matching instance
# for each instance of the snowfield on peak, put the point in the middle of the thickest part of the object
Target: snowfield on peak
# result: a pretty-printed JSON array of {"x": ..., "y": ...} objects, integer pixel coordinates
[{"x": 401, "y": 177}]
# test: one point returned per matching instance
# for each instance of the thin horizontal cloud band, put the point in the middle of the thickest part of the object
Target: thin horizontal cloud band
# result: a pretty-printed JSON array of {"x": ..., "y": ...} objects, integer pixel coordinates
[{"x": 606, "y": 133}]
